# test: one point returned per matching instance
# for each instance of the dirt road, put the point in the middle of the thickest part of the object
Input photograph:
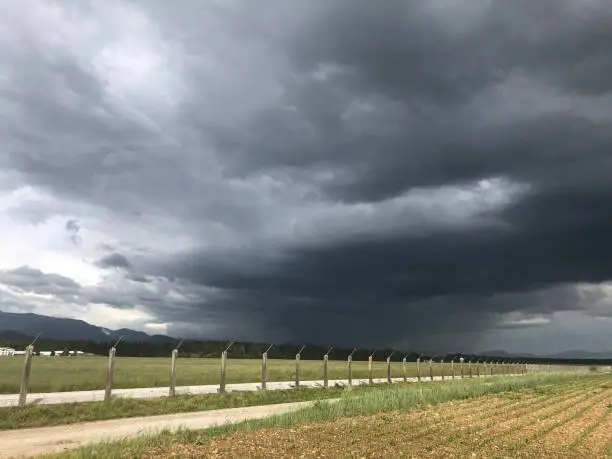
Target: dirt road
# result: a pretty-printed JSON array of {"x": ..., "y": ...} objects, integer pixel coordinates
[{"x": 35, "y": 442}]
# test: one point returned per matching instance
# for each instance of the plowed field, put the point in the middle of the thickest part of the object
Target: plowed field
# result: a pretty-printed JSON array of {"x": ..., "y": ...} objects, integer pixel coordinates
[{"x": 558, "y": 421}]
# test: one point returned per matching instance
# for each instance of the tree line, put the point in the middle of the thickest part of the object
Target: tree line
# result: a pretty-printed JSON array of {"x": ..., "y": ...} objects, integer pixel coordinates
[{"x": 248, "y": 350}]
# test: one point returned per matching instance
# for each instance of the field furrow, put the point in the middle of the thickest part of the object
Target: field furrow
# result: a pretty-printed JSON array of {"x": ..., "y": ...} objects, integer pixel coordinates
[
  {"x": 568, "y": 433},
  {"x": 487, "y": 430},
  {"x": 538, "y": 423},
  {"x": 598, "y": 442},
  {"x": 520, "y": 442}
]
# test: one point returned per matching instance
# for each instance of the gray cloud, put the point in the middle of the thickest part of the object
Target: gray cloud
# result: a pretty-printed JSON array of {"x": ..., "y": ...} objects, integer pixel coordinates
[
  {"x": 401, "y": 173},
  {"x": 34, "y": 280},
  {"x": 114, "y": 260}
]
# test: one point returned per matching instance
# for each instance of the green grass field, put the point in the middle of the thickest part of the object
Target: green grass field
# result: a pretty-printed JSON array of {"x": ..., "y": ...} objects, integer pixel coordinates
[
  {"x": 50, "y": 374},
  {"x": 532, "y": 416}
]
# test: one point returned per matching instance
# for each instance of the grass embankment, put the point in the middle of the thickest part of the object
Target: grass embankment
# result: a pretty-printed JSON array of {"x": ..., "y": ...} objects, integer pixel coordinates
[
  {"x": 69, "y": 413},
  {"x": 59, "y": 374},
  {"x": 438, "y": 420}
]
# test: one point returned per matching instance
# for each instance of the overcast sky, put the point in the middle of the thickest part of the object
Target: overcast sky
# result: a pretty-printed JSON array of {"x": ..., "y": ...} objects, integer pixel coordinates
[{"x": 414, "y": 174}]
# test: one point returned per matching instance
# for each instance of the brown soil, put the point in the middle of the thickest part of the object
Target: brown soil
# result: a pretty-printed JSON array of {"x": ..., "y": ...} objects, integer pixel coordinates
[{"x": 569, "y": 424}]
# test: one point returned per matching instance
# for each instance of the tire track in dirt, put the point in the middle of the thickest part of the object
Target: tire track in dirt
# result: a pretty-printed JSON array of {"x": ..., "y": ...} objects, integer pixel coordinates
[{"x": 478, "y": 435}]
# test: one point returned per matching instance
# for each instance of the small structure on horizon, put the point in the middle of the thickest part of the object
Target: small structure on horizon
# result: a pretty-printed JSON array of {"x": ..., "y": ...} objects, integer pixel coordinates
[{"x": 7, "y": 352}]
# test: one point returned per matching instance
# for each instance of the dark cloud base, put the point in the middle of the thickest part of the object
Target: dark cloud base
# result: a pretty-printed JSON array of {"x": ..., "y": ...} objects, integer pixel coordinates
[{"x": 350, "y": 103}]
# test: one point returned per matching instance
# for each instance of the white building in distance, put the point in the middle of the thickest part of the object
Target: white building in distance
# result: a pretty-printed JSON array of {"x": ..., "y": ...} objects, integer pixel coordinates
[{"x": 7, "y": 351}]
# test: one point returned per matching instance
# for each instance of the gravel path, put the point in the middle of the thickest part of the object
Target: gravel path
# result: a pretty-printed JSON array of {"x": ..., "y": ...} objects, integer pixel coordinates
[{"x": 35, "y": 442}]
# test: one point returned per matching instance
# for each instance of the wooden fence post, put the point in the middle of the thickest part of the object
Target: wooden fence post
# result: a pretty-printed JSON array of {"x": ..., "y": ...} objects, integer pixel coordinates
[
  {"x": 370, "y": 368},
  {"x": 431, "y": 375},
  {"x": 442, "y": 368},
  {"x": 25, "y": 376},
  {"x": 404, "y": 374},
  {"x": 461, "y": 359},
  {"x": 478, "y": 368},
  {"x": 470, "y": 368},
  {"x": 453, "y": 368},
  {"x": 418, "y": 369},
  {"x": 389, "y": 380}
]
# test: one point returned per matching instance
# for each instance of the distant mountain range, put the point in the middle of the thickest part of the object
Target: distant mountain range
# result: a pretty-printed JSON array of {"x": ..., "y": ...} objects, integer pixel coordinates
[
  {"x": 569, "y": 355},
  {"x": 16, "y": 326},
  {"x": 24, "y": 326}
]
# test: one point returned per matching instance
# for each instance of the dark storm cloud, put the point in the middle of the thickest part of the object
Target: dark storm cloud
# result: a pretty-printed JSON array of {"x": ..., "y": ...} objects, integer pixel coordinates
[
  {"x": 114, "y": 260},
  {"x": 430, "y": 75},
  {"x": 306, "y": 157},
  {"x": 447, "y": 97}
]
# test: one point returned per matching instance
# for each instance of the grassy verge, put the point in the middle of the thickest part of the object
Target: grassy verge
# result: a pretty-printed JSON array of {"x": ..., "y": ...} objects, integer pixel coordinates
[
  {"x": 69, "y": 413},
  {"x": 375, "y": 400}
]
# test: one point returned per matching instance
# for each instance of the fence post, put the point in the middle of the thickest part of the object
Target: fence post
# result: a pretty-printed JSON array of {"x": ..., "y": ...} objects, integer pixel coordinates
[
  {"x": 470, "y": 368},
  {"x": 478, "y": 368},
  {"x": 404, "y": 374},
  {"x": 174, "y": 356},
  {"x": 418, "y": 369},
  {"x": 298, "y": 358},
  {"x": 325, "y": 368},
  {"x": 453, "y": 368},
  {"x": 431, "y": 375},
  {"x": 223, "y": 372},
  {"x": 442, "y": 368},
  {"x": 264, "y": 368},
  {"x": 389, "y": 368},
  {"x": 350, "y": 368},
  {"x": 370, "y": 369},
  {"x": 25, "y": 376},
  {"x": 109, "y": 374},
  {"x": 461, "y": 359},
  {"x": 111, "y": 370},
  {"x": 172, "y": 389},
  {"x": 484, "y": 368}
]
